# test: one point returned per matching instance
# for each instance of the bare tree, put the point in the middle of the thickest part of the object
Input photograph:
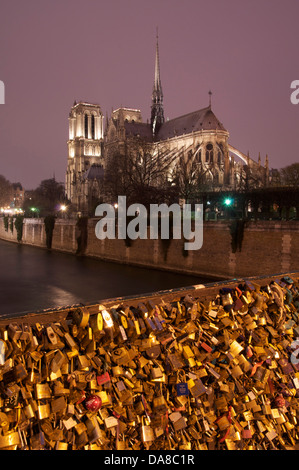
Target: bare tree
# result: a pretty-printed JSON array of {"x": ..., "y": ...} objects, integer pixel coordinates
[
  {"x": 290, "y": 175},
  {"x": 139, "y": 173},
  {"x": 250, "y": 178},
  {"x": 6, "y": 192}
]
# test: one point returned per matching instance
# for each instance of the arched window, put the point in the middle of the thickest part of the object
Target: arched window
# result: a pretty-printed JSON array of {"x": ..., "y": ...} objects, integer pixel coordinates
[
  {"x": 198, "y": 156},
  {"x": 86, "y": 126},
  {"x": 92, "y": 126},
  {"x": 209, "y": 153},
  {"x": 220, "y": 154}
]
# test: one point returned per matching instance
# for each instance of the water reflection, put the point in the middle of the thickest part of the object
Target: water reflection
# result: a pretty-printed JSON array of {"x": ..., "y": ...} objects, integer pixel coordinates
[{"x": 34, "y": 279}]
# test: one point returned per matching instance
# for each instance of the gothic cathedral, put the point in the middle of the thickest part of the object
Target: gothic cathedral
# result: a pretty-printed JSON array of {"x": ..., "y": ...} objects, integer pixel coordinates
[{"x": 197, "y": 138}]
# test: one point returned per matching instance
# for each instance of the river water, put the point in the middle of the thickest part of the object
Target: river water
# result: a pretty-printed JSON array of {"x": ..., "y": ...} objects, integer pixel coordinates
[{"x": 34, "y": 279}]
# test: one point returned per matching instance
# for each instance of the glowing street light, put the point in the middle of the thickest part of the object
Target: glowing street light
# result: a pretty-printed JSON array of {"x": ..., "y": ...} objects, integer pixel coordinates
[
  {"x": 228, "y": 201},
  {"x": 34, "y": 210},
  {"x": 62, "y": 209}
]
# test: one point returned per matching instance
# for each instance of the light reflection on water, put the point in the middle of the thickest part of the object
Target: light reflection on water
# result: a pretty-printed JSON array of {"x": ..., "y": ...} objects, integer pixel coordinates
[{"x": 34, "y": 279}]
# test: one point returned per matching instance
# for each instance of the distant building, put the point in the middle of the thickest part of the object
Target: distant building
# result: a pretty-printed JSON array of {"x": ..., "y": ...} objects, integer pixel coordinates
[
  {"x": 197, "y": 137},
  {"x": 85, "y": 152},
  {"x": 18, "y": 195}
]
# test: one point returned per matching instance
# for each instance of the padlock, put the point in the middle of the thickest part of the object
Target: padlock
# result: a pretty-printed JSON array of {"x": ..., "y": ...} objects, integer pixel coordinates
[
  {"x": 111, "y": 422},
  {"x": 180, "y": 424},
  {"x": 61, "y": 445},
  {"x": 105, "y": 398},
  {"x": 81, "y": 317},
  {"x": 43, "y": 411},
  {"x": 96, "y": 322},
  {"x": 182, "y": 385},
  {"x": 42, "y": 391},
  {"x": 70, "y": 342},
  {"x": 93, "y": 403},
  {"x": 154, "y": 351},
  {"x": 14, "y": 331},
  {"x": 58, "y": 405},
  {"x": 160, "y": 404},
  {"x": 10, "y": 440},
  {"x": 52, "y": 335},
  {"x": 42, "y": 380},
  {"x": 147, "y": 432},
  {"x": 108, "y": 321},
  {"x": 176, "y": 360},
  {"x": 120, "y": 356},
  {"x": 156, "y": 373},
  {"x": 121, "y": 443},
  {"x": 196, "y": 387}
]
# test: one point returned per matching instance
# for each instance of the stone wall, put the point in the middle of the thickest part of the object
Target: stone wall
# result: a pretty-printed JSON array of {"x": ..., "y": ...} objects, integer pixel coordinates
[{"x": 268, "y": 247}]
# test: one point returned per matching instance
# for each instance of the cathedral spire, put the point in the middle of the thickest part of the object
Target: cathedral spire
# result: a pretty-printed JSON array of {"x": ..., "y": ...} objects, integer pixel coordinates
[
  {"x": 157, "y": 114},
  {"x": 157, "y": 84}
]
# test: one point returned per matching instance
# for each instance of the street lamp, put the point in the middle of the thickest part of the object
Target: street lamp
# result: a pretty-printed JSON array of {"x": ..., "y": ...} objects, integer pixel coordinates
[
  {"x": 34, "y": 210},
  {"x": 63, "y": 209},
  {"x": 228, "y": 201}
]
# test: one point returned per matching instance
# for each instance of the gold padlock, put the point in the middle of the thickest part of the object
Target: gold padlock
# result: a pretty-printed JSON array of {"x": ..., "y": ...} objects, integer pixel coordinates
[
  {"x": 9, "y": 440},
  {"x": 52, "y": 335},
  {"x": 43, "y": 411},
  {"x": 160, "y": 404},
  {"x": 42, "y": 391},
  {"x": 96, "y": 322},
  {"x": 4, "y": 423},
  {"x": 28, "y": 411},
  {"x": 121, "y": 444},
  {"x": 147, "y": 432},
  {"x": 81, "y": 317},
  {"x": 61, "y": 445},
  {"x": 184, "y": 443}
]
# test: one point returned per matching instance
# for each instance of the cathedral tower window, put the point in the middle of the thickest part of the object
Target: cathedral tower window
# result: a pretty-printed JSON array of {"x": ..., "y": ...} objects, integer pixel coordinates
[
  {"x": 92, "y": 126},
  {"x": 86, "y": 126}
]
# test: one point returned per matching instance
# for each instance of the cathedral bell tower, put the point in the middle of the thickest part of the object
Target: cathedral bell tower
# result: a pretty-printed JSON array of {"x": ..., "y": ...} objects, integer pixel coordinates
[
  {"x": 84, "y": 144},
  {"x": 157, "y": 112}
]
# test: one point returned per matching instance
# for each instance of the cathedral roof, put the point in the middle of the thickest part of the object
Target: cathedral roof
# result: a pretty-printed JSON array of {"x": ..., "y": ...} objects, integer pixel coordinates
[
  {"x": 140, "y": 129},
  {"x": 94, "y": 172},
  {"x": 203, "y": 119}
]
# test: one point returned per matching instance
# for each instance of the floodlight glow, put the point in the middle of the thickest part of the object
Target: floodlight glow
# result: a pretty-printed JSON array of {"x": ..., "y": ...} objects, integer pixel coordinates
[{"x": 228, "y": 201}]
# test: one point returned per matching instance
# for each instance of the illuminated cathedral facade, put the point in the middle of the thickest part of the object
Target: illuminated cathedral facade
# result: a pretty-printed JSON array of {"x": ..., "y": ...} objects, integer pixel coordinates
[{"x": 197, "y": 138}]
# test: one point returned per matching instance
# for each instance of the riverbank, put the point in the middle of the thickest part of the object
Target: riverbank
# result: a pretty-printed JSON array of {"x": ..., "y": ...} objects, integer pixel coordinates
[{"x": 229, "y": 249}]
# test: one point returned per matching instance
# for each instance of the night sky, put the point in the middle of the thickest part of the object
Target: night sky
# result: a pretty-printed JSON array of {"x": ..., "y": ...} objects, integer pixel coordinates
[{"x": 55, "y": 52}]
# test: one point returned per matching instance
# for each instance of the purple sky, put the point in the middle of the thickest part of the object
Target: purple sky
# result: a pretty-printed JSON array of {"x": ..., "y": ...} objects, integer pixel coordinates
[{"x": 53, "y": 52}]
